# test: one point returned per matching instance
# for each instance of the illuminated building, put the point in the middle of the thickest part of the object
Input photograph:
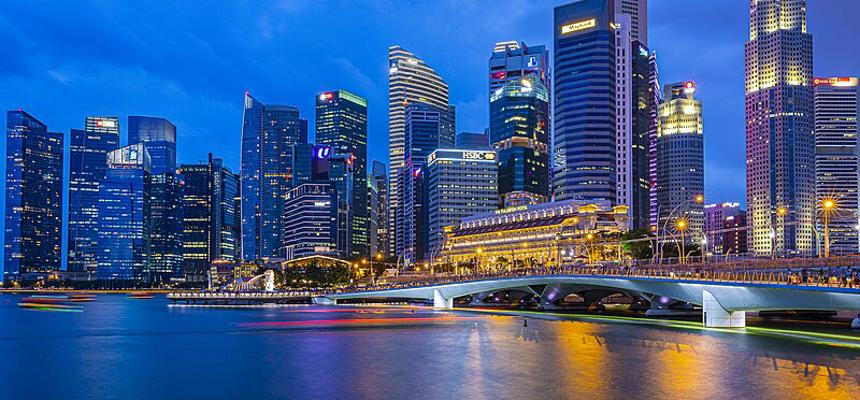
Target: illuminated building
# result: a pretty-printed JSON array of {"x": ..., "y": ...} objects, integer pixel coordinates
[
  {"x": 779, "y": 129},
  {"x": 459, "y": 184},
  {"x": 34, "y": 196},
  {"x": 268, "y": 135},
  {"x": 341, "y": 178},
  {"x": 124, "y": 215},
  {"x": 638, "y": 12},
  {"x": 680, "y": 158},
  {"x": 584, "y": 91},
  {"x": 159, "y": 137},
  {"x": 427, "y": 128},
  {"x": 410, "y": 80},
  {"x": 513, "y": 60},
  {"x": 379, "y": 210},
  {"x": 310, "y": 163},
  {"x": 519, "y": 133},
  {"x": 312, "y": 226},
  {"x": 655, "y": 97},
  {"x": 88, "y": 150},
  {"x": 836, "y": 159},
  {"x": 734, "y": 235},
  {"x": 715, "y": 217},
  {"x": 473, "y": 141},
  {"x": 341, "y": 122},
  {"x": 536, "y": 235},
  {"x": 210, "y": 224}
]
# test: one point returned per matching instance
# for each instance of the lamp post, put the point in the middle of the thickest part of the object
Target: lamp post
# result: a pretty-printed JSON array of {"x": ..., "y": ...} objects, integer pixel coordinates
[
  {"x": 704, "y": 248},
  {"x": 781, "y": 212},
  {"x": 827, "y": 206},
  {"x": 698, "y": 199},
  {"x": 681, "y": 225}
]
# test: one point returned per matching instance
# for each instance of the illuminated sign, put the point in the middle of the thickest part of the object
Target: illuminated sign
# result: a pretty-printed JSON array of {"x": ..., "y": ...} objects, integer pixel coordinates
[
  {"x": 322, "y": 204},
  {"x": 838, "y": 81},
  {"x": 533, "y": 62},
  {"x": 479, "y": 155},
  {"x": 689, "y": 87},
  {"x": 322, "y": 152},
  {"x": 326, "y": 96},
  {"x": 512, "y": 209},
  {"x": 499, "y": 74},
  {"x": 105, "y": 123},
  {"x": 578, "y": 26}
]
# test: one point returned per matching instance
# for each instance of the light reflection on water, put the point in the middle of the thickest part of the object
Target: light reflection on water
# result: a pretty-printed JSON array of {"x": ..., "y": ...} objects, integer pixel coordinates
[{"x": 133, "y": 349}]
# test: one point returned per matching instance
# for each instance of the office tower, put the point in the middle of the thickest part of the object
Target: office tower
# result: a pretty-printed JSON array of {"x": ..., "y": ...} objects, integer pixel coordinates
[
  {"x": 341, "y": 171},
  {"x": 519, "y": 133},
  {"x": 512, "y": 60},
  {"x": 472, "y": 140},
  {"x": 426, "y": 129},
  {"x": 638, "y": 12},
  {"x": 310, "y": 163},
  {"x": 269, "y": 133},
  {"x": 836, "y": 160},
  {"x": 584, "y": 93},
  {"x": 209, "y": 218},
  {"x": 459, "y": 184},
  {"x": 410, "y": 80},
  {"x": 379, "y": 177},
  {"x": 312, "y": 226},
  {"x": 124, "y": 201},
  {"x": 655, "y": 97},
  {"x": 34, "y": 198},
  {"x": 734, "y": 235},
  {"x": 373, "y": 217},
  {"x": 624, "y": 113},
  {"x": 680, "y": 159},
  {"x": 779, "y": 129},
  {"x": 715, "y": 218},
  {"x": 88, "y": 150},
  {"x": 159, "y": 135},
  {"x": 341, "y": 122}
]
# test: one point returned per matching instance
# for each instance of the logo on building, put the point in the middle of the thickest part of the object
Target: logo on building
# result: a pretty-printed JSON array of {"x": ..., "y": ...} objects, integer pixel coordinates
[{"x": 578, "y": 26}]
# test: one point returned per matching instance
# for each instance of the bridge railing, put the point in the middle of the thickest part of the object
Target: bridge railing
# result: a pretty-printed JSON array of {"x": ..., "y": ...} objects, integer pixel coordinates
[{"x": 837, "y": 277}]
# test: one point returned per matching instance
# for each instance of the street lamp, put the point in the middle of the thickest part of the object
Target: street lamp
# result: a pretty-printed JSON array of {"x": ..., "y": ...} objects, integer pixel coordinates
[
  {"x": 697, "y": 199},
  {"x": 681, "y": 225},
  {"x": 704, "y": 248},
  {"x": 828, "y": 206}
]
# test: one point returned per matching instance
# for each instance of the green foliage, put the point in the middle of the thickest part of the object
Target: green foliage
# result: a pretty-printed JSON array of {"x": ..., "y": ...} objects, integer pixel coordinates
[
  {"x": 315, "y": 276},
  {"x": 640, "y": 250}
]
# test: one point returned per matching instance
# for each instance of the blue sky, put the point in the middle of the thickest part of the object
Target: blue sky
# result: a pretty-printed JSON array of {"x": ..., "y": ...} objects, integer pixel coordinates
[{"x": 191, "y": 61}]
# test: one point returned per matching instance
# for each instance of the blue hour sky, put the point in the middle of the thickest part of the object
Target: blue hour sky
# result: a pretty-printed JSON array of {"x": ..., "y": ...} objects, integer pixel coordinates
[{"x": 191, "y": 61}]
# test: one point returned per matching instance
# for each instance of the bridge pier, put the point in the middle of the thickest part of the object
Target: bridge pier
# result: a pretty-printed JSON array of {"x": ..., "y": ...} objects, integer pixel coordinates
[
  {"x": 715, "y": 316},
  {"x": 440, "y": 302}
]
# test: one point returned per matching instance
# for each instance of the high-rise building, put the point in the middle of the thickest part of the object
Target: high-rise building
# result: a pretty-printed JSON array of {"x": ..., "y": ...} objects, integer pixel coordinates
[
  {"x": 734, "y": 235},
  {"x": 410, "y": 80},
  {"x": 426, "y": 129},
  {"x": 159, "y": 136},
  {"x": 310, "y": 163},
  {"x": 655, "y": 97},
  {"x": 88, "y": 150},
  {"x": 312, "y": 226},
  {"x": 638, "y": 12},
  {"x": 379, "y": 177},
  {"x": 341, "y": 122},
  {"x": 459, "y": 184},
  {"x": 584, "y": 91},
  {"x": 124, "y": 200},
  {"x": 210, "y": 224},
  {"x": 519, "y": 133},
  {"x": 715, "y": 217},
  {"x": 269, "y": 133},
  {"x": 836, "y": 158},
  {"x": 779, "y": 129},
  {"x": 680, "y": 159},
  {"x": 340, "y": 176},
  {"x": 512, "y": 60},
  {"x": 473, "y": 140},
  {"x": 34, "y": 196}
]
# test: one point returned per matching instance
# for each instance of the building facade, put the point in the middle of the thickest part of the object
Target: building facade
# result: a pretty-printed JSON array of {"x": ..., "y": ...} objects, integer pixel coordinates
[
  {"x": 836, "y": 160},
  {"x": 472, "y": 141},
  {"x": 379, "y": 211},
  {"x": 734, "y": 235},
  {"x": 513, "y": 60},
  {"x": 680, "y": 159},
  {"x": 638, "y": 12},
  {"x": 34, "y": 196},
  {"x": 779, "y": 129},
  {"x": 159, "y": 136},
  {"x": 341, "y": 122},
  {"x": 88, "y": 150},
  {"x": 715, "y": 218},
  {"x": 410, "y": 80},
  {"x": 459, "y": 184},
  {"x": 584, "y": 118},
  {"x": 312, "y": 226},
  {"x": 519, "y": 133},
  {"x": 269, "y": 133}
]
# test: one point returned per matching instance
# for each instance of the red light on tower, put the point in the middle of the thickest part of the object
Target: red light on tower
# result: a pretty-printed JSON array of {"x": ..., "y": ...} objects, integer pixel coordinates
[{"x": 690, "y": 85}]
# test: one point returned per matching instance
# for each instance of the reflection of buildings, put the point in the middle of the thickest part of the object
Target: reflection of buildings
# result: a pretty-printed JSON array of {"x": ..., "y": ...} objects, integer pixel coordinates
[{"x": 537, "y": 235}]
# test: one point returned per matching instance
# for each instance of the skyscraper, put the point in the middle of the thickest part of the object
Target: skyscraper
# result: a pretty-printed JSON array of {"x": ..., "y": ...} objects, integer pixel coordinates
[
  {"x": 655, "y": 97},
  {"x": 34, "y": 197},
  {"x": 638, "y": 12},
  {"x": 124, "y": 215},
  {"x": 268, "y": 135},
  {"x": 680, "y": 159},
  {"x": 312, "y": 226},
  {"x": 836, "y": 159},
  {"x": 380, "y": 181},
  {"x": 210, "y": 226},
  {"x": 512, "y": 60},
  {"x": 159, "y": 136},
  {"x": 410, "y": 80},
  {"x": 519, "y": 133},
  {"x": 340, "y": 176},
  {"x": 584, "y": 120},
  {"x": 473, "y": 140},
  {"x": 779, "y": 129},
  {"x": 87, "y": 164},
  {"x": 715, "y": 218},
  {"x": 341, "y": 122}
]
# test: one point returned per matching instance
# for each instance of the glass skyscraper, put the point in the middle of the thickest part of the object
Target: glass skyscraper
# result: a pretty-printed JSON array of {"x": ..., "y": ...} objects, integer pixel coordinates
[
  {"x": 34, "y": 198},
  {"x": 584, "y": 121},
  {"x": 519, "y": 133},
  {"x": 87, "y": 164},
  {"x": 780, "y": 145},
  {"x": 379, "y": 177},
  {"x": 124, "y": 213},
  {"x": 159, "y": 135},
  {"x": 269, "y": 133},
  {"x": 341, "y": 122}
]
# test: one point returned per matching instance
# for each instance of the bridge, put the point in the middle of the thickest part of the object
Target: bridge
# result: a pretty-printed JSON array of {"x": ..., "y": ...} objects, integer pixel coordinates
[{"x": 724, "y": 294}]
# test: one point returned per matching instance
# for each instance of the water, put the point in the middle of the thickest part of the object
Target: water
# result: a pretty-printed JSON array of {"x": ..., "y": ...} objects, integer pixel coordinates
[{"x": 120, "y": 348}]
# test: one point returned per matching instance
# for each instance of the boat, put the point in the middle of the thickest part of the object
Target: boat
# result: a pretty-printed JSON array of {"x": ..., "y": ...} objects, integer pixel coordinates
[
  {"x": 48, "y": 303},
  {"x": 81, "y": 297},
  {"x": 141, "y": 295}
]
